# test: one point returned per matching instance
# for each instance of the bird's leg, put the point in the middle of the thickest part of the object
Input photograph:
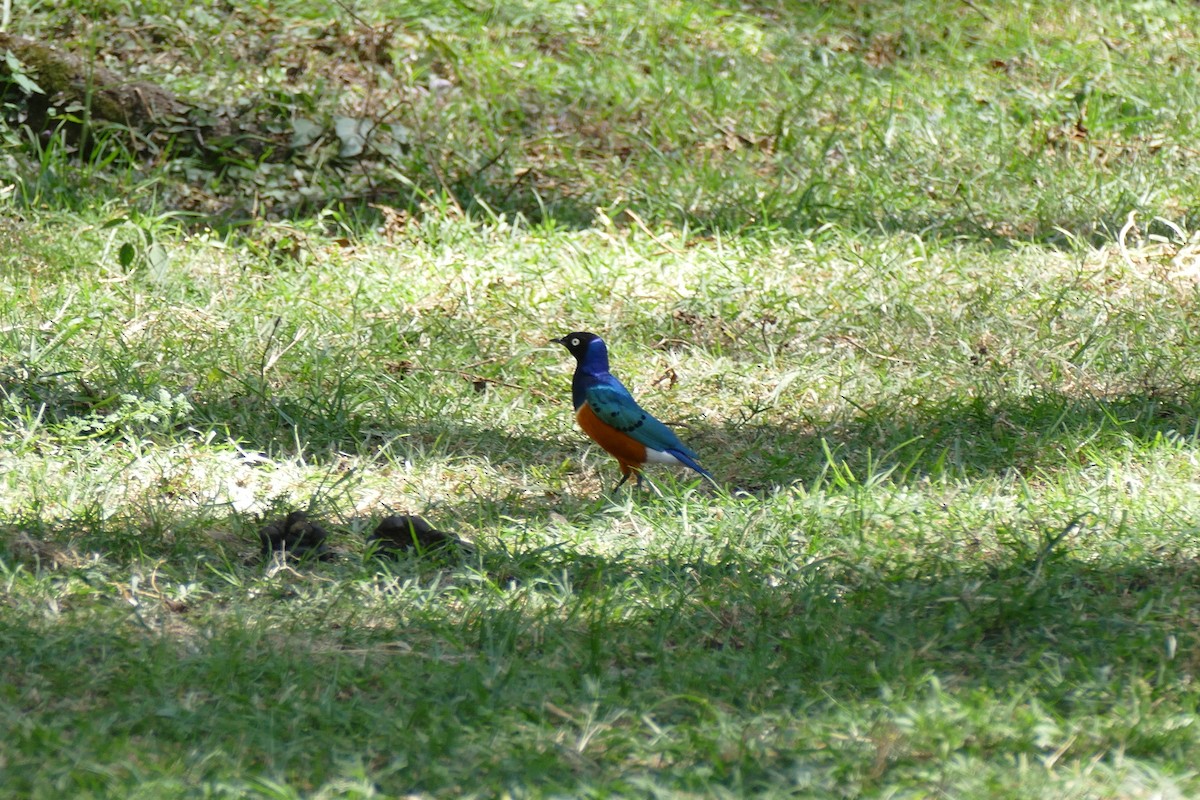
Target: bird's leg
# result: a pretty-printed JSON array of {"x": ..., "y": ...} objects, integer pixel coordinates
[{"x": 627, "y": 470}]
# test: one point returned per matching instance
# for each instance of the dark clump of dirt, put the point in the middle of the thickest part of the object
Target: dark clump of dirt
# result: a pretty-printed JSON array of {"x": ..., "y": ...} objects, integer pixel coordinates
[
  {"x": 294, "y": 535},
  {"x": 399, "y": 533}
]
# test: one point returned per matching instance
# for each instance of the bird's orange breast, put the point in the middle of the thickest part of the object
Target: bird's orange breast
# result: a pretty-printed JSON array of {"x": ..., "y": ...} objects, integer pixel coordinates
[{"x": 627, "y": 450}]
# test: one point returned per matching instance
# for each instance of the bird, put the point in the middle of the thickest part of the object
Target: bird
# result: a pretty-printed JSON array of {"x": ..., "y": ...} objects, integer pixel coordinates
[{"x": 607, "y": 412}]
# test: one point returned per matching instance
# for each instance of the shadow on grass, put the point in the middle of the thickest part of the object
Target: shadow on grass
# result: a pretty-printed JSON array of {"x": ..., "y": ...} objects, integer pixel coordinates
[
  {"x": 474, "y": 686},
  {"x": 905, "y": 437},
  {"x": 959, "y": 440},
  {"x": 466, "y": 675},
  {"x": 551, "y": 195}
]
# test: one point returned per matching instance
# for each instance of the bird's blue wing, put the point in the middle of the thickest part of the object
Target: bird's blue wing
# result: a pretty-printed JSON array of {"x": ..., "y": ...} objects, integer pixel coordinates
[{"x": 616, "y": 407}]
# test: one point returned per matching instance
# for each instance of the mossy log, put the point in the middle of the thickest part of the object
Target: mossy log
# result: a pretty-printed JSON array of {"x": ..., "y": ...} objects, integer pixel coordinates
[{"x": 70, "y": 82}]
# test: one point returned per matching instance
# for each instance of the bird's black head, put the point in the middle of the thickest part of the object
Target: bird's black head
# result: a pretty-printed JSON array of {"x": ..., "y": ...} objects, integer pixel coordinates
[{"x": 578, "y": 343}]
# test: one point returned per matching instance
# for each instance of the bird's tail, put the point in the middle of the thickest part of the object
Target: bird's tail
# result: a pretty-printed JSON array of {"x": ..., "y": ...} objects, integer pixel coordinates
[{"x": 690, "y": 462}]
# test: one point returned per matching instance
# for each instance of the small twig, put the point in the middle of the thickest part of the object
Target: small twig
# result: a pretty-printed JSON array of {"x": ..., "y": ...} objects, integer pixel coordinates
[
  {"x": 860, "y": 346},
  {"x": 515, "y": 184},
  {"x": 507, "y": 385},
  {"x": 1049, "y": 546},
  {"x": 262, "y": 365},
  {"x": 441, "y": 179},
  {"x": 470, "y": 376},
  {"x": 977, "y": 10},
  {"x": 346, "y": 7},
  {"x": 645, "y": 229},
  {"x": 488, "y": 164},
  {"x": 270, "y": 359}
]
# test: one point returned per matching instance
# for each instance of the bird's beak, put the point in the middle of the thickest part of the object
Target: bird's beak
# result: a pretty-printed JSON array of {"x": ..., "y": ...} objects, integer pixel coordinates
[{"x": 556, "y": 341}]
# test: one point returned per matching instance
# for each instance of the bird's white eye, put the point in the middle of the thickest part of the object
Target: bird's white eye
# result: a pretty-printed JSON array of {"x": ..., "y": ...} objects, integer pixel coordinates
[{"x": 575, "y": 342}]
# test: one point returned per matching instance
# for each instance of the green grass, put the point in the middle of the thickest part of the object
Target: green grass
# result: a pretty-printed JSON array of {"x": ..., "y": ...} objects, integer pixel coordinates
[
  {"x": 874, "y": 272},
  {"x": 1031, "y": 121}
]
